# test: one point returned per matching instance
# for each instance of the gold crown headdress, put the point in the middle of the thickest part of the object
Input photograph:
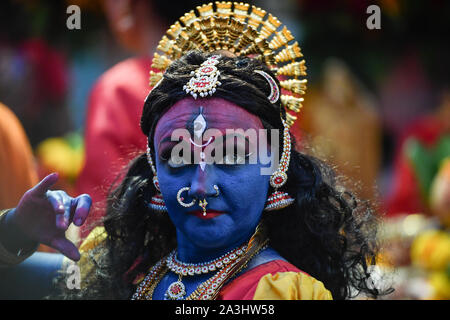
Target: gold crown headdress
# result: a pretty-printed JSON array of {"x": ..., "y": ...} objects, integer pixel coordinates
[{"x": 243, "y": 30}]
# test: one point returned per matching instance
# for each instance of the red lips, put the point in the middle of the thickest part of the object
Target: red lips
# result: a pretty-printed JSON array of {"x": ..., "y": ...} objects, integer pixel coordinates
[{"x": 209, "y": 214}]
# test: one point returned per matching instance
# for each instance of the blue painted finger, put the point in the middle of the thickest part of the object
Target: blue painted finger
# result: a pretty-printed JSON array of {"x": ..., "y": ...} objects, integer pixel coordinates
[
  {"x": 63, "y": 218},
  {"x": 56, "y": 201},
  {"x": 45, "y": 184},
  {"x": 83, "y": 205},
  {"x": 66, "y": 247}
]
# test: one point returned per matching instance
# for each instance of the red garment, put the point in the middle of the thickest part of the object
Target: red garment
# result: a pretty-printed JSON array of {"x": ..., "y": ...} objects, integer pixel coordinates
[
  {"x": 405, "y": 196},
  {"x": 244, "y": 286},
  {"x": 112, "y": 133}
]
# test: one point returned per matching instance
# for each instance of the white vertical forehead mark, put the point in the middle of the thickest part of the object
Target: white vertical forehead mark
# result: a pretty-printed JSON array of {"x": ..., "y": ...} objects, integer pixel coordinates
[
  {"x": 199, "y": 125},
  {"x": 199, "y": 129}
]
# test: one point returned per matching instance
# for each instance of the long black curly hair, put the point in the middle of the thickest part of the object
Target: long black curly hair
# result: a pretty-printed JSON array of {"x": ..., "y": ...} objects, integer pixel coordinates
[{"x": 327, "y": 232}]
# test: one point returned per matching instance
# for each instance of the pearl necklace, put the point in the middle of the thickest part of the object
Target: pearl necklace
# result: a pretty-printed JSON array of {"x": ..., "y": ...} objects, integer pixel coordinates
[
  {"x": 177, "y": 290},
  {"x": 190, "y": 269}
]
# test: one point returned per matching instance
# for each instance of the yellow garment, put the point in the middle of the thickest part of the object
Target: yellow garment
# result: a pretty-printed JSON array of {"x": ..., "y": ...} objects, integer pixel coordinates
[
  {"x": 96, "y": 236},
  {"x": 291, "y": 286}
]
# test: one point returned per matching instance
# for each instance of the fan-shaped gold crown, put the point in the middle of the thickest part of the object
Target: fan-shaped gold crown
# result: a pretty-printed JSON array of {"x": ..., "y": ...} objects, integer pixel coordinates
[{"x": 243, "y": 30}]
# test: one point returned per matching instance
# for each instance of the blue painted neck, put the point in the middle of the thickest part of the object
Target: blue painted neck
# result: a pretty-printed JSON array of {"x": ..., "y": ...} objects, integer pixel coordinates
[{"x": 190, "y": 253}]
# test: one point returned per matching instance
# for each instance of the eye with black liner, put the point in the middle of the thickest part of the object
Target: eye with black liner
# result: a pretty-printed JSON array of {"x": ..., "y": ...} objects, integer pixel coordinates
[
  {"x": 237, "y": 156},
  {"x": 173, "y": 161},
  {"x": 242, "y": 63},
  {"x": 164, "y": 154}
]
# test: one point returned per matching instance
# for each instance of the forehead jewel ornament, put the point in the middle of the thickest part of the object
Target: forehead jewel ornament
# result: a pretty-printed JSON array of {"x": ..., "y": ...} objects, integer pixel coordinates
[
  {"x": 244, "y": 30},
  {"x": 205, "y": 79}
]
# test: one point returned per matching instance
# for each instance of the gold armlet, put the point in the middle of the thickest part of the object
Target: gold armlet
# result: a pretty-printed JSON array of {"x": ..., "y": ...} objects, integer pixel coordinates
[{"x": 8, "y": 258}]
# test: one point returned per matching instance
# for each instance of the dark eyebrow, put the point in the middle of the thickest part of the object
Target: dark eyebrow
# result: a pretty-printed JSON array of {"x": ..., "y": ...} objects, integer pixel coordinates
[
  {"x": 225, "y": 138},
  {"x": 166, "y": 139},
  {"x": 169, "y": 138}
]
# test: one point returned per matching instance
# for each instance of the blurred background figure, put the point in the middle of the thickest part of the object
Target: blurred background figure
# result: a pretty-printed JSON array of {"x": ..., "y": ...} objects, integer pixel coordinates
[
  {"x": 342, "y": 119},
  {"x": 377, "y": 106},
  {"x": 17, "y": 166}
]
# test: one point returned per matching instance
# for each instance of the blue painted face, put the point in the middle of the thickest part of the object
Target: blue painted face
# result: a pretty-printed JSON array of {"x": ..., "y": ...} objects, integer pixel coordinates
[{"x": 233, "y": 214}]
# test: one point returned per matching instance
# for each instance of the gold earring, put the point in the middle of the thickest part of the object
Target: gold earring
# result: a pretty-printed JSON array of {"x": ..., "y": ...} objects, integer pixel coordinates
[
  {"x": 278, "y": 199},
  {"x": 157, "y": 202}
]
